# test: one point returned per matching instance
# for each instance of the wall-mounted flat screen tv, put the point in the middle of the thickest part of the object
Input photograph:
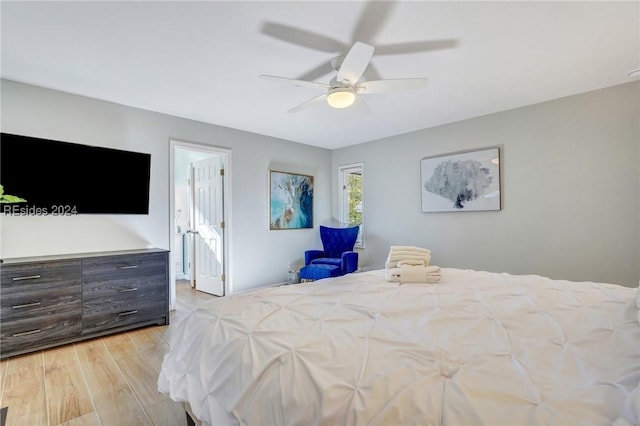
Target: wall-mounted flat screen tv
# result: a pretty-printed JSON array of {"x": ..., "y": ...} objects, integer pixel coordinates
[{"x": 56, "y": 177}]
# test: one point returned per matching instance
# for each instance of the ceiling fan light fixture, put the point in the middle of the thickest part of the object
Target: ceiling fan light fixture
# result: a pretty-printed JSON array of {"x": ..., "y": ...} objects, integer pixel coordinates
[{"x": 341, "y": 97}]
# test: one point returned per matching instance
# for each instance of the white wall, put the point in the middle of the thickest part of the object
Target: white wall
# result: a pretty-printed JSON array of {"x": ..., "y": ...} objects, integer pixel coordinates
[
  {"x": 571, "y": 185},
  {"x": 258, "y": 256}
]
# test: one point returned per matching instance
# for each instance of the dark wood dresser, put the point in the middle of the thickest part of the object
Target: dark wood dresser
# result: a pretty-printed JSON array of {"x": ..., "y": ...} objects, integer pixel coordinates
[{"x": 53, "y": 300}]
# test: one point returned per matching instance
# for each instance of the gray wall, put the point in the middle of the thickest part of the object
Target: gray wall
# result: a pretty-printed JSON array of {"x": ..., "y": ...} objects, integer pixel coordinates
[
  {"x": 571, "y": 190},
  {"x": 258, "y": 256}
]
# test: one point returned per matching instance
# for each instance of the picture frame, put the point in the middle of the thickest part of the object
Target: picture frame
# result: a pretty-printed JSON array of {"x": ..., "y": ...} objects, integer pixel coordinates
[
  {"x": 463, "y": 181},
  {"x": 290, "y": 200}
]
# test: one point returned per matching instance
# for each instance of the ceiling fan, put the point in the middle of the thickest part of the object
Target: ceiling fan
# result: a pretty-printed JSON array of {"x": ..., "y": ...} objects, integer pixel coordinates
[
  {"x": 342, "y": 90},
  {"x": 372, "y": 19}
]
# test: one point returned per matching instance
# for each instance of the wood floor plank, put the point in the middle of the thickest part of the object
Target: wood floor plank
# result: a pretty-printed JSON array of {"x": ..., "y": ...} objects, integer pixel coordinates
[
  {"x": 99, "y": 368},
  {"x": 67, "y": 394},
  {"x": 147, "y": 337},
  {"x": 150, "y": 343},
  {"x": 91, "y": 350},
  {"x": 90, "y": 419},
  {"x": 167, "y": 335},
  {"x": 24, "y": 362},
  {"x": 119, "y": 345},
  {"x": 24, "y": 394},
  {"x": 167, "y": 413},
  {"x": 58, "y": 357},
  {"x": 142, "y": 378},
  {"x": 119, "y": 404},
  {"x": 155, "y": 357},
  {"x": 3, "y": 374}
]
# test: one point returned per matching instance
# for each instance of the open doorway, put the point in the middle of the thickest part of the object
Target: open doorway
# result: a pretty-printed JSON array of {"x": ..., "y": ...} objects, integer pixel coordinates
[{"x": 199, "y": 212}]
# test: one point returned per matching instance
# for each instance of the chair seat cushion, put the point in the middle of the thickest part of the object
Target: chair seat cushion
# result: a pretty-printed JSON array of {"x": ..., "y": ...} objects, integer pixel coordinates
[
  {"x": 335, "y": 261},
  {"x": 318, "y": 271}
]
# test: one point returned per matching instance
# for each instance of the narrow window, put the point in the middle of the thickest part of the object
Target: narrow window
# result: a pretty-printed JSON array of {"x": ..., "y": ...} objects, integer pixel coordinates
[{"x": 351, "y": 190}]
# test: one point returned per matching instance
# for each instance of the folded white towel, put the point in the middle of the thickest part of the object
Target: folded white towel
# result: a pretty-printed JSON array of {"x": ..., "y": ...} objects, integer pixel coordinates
[
  {"x": 419, "y": 274},
  {"x": 397, "y": 264},
  {"x": 399, "y": 255},
  {"x": 394, "y": 249},
  {"x": 392, "y": 275},
  {"x": 394, "y": 258},
  {"x": 413, "y": 274},
  {"x": 411, "y": 262}
]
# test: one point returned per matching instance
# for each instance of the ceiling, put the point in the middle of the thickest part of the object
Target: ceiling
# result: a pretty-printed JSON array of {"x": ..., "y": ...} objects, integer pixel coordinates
[{"x": 201, "y": 60}]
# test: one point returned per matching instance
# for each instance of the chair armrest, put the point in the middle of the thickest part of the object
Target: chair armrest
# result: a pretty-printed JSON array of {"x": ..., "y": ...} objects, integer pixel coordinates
[
  {"x": 309, "y": 255},
  {"x": 349, "y": 262}
]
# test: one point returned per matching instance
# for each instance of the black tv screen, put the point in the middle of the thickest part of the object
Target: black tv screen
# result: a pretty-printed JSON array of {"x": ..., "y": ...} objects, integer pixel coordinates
[{"x": 56, "y": 177}]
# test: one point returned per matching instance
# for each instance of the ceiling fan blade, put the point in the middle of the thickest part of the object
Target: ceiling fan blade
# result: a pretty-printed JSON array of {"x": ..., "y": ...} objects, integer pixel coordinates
[
  {"x": 302, "y": 83},
  {"x": 415, "y": 46},
  {"x": 361, "y": 106},
  {"x": 303, "y": 38},
  {"x": 318, "y": 72},
  {"x": 394, "y": 85},
  {"x": 372, "y": 19},
  {"x": 311, "y": 102},
  {"x": 371, "y": 73},
  {"x": 355, "y": 63}
]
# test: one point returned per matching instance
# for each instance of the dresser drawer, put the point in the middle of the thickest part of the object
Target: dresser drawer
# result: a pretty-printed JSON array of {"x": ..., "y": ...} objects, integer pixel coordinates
[
  {"x": 113, "y": 295},
  {"x": 33, "y": 333},
  {"x": 118, "y": 314},
  {"x": 37, "y": 289},
  {"x": 39, "y": 277},
  {"x": 122, "y": 267},
  {"x": 56, "y": 300},
  {"x": 132, "y": 286}
]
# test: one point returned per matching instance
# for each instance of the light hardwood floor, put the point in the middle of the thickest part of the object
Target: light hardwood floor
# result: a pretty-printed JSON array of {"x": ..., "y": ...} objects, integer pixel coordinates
[{"x": 106, "y": 381}]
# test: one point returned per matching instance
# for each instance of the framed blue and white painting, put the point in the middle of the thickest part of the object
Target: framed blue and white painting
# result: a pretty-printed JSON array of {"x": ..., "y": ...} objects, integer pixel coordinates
[
  {"x": 290, "y": 200},
  {"x": 465, "y": 181}
]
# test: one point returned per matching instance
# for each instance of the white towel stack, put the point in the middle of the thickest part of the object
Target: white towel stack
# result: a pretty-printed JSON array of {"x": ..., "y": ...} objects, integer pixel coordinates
[
  {"x": 410, "y": 264},
  {"x": 407, "y": 254}
]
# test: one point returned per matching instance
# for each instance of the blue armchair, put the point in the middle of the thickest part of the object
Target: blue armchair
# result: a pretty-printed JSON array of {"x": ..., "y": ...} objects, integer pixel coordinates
[{"x": 338, "y": 250}]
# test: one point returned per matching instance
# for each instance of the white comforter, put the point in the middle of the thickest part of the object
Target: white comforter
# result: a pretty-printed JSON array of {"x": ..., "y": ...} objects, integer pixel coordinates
[{"x": 477, "y": 348}]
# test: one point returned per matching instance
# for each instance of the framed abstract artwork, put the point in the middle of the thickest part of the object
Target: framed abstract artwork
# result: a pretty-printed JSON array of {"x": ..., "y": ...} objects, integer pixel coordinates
[
  {"x": 290, "y": 200},
  {"x": 466, "y": 181}
]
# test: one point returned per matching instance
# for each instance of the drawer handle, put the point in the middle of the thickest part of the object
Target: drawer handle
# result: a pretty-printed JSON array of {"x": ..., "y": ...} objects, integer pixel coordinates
[
  {"x": 126, "y": 290},
  {"x": 128, "y": 267},
  {"x": 27, "y": 277},
  {"x": 26, "y": 333},
  {"x": 124, "y": 314},
  {"x": 26, "y": 305}
]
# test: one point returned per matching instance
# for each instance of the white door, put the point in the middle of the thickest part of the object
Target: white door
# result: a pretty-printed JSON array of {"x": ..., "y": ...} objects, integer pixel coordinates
[{"x": 208, "y": 225}]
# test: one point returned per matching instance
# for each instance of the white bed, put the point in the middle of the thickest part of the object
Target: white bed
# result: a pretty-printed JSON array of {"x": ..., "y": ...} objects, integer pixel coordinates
[{"x": 477, "y": 348}]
